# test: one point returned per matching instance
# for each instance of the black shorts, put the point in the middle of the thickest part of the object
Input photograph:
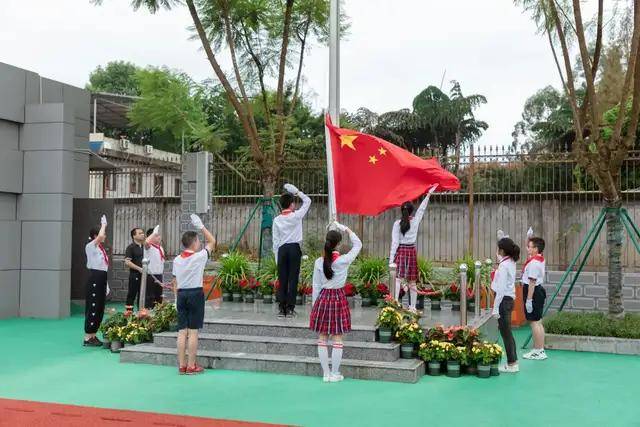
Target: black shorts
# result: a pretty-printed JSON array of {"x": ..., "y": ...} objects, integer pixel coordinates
[
  {"x": 539, "y": 297},
  {"x": 190, "y": 308}
]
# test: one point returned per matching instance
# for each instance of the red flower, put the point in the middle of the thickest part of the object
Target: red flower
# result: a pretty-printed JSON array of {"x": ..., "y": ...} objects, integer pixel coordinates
[
  {"x": 382, "y": 288},
  {"x": 244, "y": 283},
  {"x": 308, "y": 290},
  {"x": 470, "y": 293},
  {"x": 454, "y": 288},
  {"x": 349, "y": 289}
]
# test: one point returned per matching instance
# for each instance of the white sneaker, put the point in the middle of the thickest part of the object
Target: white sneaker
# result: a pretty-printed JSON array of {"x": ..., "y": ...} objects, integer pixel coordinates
[
  {"x": 326, "y": 378},
  {"x": 509, "y": 369},
  {"x": 538, "y": 355},
  {"x": 334, "y": 378},
  {"x": 529, "y": 354}
]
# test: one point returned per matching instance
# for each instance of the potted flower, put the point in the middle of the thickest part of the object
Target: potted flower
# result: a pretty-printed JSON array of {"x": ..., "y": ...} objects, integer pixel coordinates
[
  {"x": 165, "y": 317},
  {"x": 409, "y": 335},
  {"x": 454, "y": 360},
  {"x": 114, "y": 334},
  {"x": 425, "y": 276},
  {"x": 433, "y": 352},
  {"x": 236, "y": 289},
  {"x": 365, "y": 290},
  {"x": 496, "y": 352},
  {"x": 267, "y": 290},
  {"x": 234, "y": 267},
  {"x": 350, "y": 291},
  {"x": 115, "y": 319},
  {"x": 380, "y": 292},
  {"x": 372, "y": 271},
  {"x": 434, "y": 295},
  {"x": 485, "y": 355},
  {"x": 453, "y": 294},
  {"x": 471, "y": 299},
  {"x": 304, "y": 289},
  {"x": 389, "y": 320},
  {"x": 247, "y": 287}
]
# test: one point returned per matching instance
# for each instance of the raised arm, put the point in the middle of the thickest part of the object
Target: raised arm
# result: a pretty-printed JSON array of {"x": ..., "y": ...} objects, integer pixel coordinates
[
  {"x": 152, "y": 236},
  {"x": 210, "y": 241},
  {"x": 306, "y": 200},
  {"x": 423, "y": 206},
  {"x": 102, "y": 234},
  {"x": 356, "y": 244}
]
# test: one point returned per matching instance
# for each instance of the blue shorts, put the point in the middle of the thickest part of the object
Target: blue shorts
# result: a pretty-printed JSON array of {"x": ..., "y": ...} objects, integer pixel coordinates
[{"x": 190, "y": 308}]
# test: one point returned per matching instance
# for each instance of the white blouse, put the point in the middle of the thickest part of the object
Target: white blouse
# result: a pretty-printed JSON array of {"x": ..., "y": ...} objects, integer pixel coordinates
[
  {"x": 288, "y": 228},
  {"x": 96, "y": 257},
  {"x": 410, "y": 237},
  {"x": 504, "y": 283},
  {"x": 340, "y": 268}
]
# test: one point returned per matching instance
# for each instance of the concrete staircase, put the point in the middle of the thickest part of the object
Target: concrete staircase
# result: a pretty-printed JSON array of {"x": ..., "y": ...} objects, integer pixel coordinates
[{"x": 282, "y": 346}]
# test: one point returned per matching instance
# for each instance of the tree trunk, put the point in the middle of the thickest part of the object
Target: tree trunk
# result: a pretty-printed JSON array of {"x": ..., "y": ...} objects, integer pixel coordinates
[{"x": 614, "y": 243}]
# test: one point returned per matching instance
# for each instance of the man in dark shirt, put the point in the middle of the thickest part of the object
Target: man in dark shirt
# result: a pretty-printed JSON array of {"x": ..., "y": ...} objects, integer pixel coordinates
[{"x": 133, "y": 259}]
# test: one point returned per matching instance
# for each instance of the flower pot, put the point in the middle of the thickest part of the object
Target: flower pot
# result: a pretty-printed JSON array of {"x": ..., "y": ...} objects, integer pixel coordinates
[
  {"x": 484, "y": 371},
  {"x": 384, "y": 335},
  {"x": 471, "y": 369},
  {"x": 237, "y": 297},
  {"x": 258, "y": 296},
  {"x": 267, "y": 299},
  {"x": 116, "y": 346},
  {"x": 299, "y": 300},
  {"x": 366, "y": 302},
  {"x": 494, "y": 370},
  {"x": 406, "y": 351},
  {"x": 471, "y": 305},
  {"x": 106, "y": 344},
  {"x": 420, "y": 302},
  {"x": 248, "y": 298},
  {"x": 226, "y": 297},
  {"x": 435, "y": 304},
  {"x": 433, "y": 368},
  {"x": 453, "y": 368},
  {"x": 352, "y": 302},
  {"x": 455, "y": 305}
]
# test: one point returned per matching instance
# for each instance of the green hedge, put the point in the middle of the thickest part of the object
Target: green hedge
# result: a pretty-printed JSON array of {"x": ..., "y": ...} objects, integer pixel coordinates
[{"x": 593, "y": 324}]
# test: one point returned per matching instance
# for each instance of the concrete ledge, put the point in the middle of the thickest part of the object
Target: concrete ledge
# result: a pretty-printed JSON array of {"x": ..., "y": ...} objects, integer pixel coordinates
[{"x": 593, "y": 344}]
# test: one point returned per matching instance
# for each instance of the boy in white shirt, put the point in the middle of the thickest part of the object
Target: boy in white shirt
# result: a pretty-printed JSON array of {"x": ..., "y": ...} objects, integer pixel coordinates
[
  {"x": 188, "y": 271},
  {"x": 287, "y": 236},
  {"x": 534, "y": 295}
]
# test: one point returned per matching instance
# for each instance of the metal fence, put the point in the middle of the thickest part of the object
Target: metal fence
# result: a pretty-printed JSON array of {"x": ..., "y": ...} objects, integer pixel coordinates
[{"x": 510, "y": 191}]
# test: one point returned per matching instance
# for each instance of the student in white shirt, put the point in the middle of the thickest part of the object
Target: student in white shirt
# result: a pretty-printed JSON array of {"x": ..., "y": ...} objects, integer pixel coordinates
[
  {"x": 154, "y": 252},
  {"x": 188, "y": 271},
  {"x": 403, "y": 247},
  {"x": 287, "y": 236},
  {"x": 96, "y": 290},
  {"x": 534, "y": 295},
  {"x": 504, "y": 285},
  {"x": 330, "y": 315}
]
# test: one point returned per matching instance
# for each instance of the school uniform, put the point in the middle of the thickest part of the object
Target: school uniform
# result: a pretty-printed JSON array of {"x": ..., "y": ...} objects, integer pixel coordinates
[
  {"x": 330, "y": 314},
  {"x": 503, "y": 284},
  {"x": 403, "y": 246},
  {"x": 287, "y": 236},
  {"x": 155, "y": 254},
  {"x": 188, "y": 269},
  {"x": 134, "y": 253},
  {"x": 96, "y": 288},
  {"x": 534, "y": 269}
]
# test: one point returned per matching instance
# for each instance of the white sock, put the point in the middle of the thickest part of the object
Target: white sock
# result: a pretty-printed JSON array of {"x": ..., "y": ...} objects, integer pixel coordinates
[
  {"x": 336, "y": 358},
  {"x": 413, "y": 291},
  {"x": 323, "y": 354},
  {"x": 397, "y": 289}
]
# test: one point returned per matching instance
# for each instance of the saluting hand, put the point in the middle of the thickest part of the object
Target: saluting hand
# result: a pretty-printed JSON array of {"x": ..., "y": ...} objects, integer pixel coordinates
[
  {"x": 103, "y": 220},
  {"x": 290, "y": 188},
  {"x": 196, "y": 222}
]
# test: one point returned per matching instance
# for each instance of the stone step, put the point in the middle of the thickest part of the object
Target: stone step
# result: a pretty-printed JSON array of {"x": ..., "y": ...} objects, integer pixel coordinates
[
  {"x": 283, "y": 346},
  {"x": 290, "y": 328},
  {"x": 401, "y": 370}
]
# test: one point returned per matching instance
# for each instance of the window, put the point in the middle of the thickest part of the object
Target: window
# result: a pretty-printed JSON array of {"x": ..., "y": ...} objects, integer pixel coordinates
[
  {"x": 177, "y": 190},
  {"x": 158, "y": 186},
  {"x": 135, "y": 183},
  {"x": 109, "y": 181}
]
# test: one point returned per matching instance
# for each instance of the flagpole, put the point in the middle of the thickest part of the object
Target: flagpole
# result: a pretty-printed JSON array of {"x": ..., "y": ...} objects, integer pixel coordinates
[{"x": 334, "y": 98}]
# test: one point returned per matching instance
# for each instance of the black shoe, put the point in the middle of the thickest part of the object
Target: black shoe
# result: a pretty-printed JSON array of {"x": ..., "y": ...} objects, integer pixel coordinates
[
  {"x": 291, "y": 313},
  {"x": 92, "y": 342},
  {"x": 282, "y": 314}
]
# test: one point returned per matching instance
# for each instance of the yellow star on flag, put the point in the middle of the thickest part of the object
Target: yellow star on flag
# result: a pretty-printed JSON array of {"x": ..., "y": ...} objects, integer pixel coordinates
[
  {"x": 348, "y": 141},
  {"x": 382, "y": 151},
  {"x": 372, "y": 159}
]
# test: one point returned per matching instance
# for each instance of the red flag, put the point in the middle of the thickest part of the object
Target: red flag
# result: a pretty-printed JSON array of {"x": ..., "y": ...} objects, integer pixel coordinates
[{"x": 372, "y": 175}]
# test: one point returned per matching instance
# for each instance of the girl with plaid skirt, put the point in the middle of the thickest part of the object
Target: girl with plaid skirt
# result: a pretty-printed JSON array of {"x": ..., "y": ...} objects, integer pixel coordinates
[
  {"x": 403, "y": 248},
  {"x": 330, "y": 315}
]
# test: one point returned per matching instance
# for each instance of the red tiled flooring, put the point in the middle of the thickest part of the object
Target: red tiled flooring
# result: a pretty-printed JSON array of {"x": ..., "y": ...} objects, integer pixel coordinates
[{"x": 17, "y": 413}]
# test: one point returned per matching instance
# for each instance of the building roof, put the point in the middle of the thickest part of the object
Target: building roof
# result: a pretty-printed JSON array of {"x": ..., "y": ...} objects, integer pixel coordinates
[{"x": 110, "y": 110}]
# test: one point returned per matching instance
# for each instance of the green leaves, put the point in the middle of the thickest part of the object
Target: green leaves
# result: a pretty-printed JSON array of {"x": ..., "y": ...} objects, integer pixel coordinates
[{"x": 593, "y": 324}]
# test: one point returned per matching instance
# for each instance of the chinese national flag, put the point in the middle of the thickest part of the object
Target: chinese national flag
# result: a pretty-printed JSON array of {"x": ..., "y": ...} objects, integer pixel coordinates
[{"x": 372, "y": 175}]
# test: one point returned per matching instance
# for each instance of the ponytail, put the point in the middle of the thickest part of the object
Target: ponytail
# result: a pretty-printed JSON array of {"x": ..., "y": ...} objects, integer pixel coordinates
[
  {"x": 405, "y": 223},
  {"x": 330, "y": 244},
  {"x": 509, "y": 248}
]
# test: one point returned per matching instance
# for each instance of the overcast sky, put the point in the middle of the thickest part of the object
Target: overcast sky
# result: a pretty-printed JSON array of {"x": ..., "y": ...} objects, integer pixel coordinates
[{"x": 395, "y": 49}]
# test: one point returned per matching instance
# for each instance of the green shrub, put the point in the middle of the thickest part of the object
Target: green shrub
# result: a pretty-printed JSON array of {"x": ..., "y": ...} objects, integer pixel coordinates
[
  {"x": 425, "y": 271},
  {"x": 233, "y": 268},
  {"x": 372, "y": 270},
  {"x": 593, "y": 324}
]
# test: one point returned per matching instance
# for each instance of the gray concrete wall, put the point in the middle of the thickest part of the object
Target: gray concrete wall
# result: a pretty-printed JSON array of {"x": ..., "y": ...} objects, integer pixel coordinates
[{"x": 43, "y": 125}]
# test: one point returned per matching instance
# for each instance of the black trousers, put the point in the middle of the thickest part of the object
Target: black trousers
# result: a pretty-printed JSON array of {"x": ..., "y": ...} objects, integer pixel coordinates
[
  {"x": 133, "y": 291},
  {"x": 154, "y": 291},
  {"x": 289, "y": 257},
  {"x": 504, "y": 325},
  {"x": 94, "y": 300}
]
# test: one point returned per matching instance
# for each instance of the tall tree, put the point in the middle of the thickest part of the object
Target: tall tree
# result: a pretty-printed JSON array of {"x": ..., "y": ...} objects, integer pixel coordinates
[
  {"x": 601, "y": 142},
  {"x": 118, "y": 77}
]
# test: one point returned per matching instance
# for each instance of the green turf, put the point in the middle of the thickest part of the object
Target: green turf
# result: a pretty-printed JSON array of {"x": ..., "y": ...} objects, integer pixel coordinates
[{"x": 43, "y": 360}]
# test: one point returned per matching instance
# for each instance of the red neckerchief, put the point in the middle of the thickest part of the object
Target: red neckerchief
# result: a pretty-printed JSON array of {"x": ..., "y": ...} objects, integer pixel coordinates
[
  {"x": 334, "y": 256},
  {"x": 159, "y": 248},
  {"x": 186, "y": 254},
  {"x": 536, "y": 257},
  {"x": 287, "y": 212},
  {"x": 493, "y": 273},
  {"x": 104, "y": 254}
]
